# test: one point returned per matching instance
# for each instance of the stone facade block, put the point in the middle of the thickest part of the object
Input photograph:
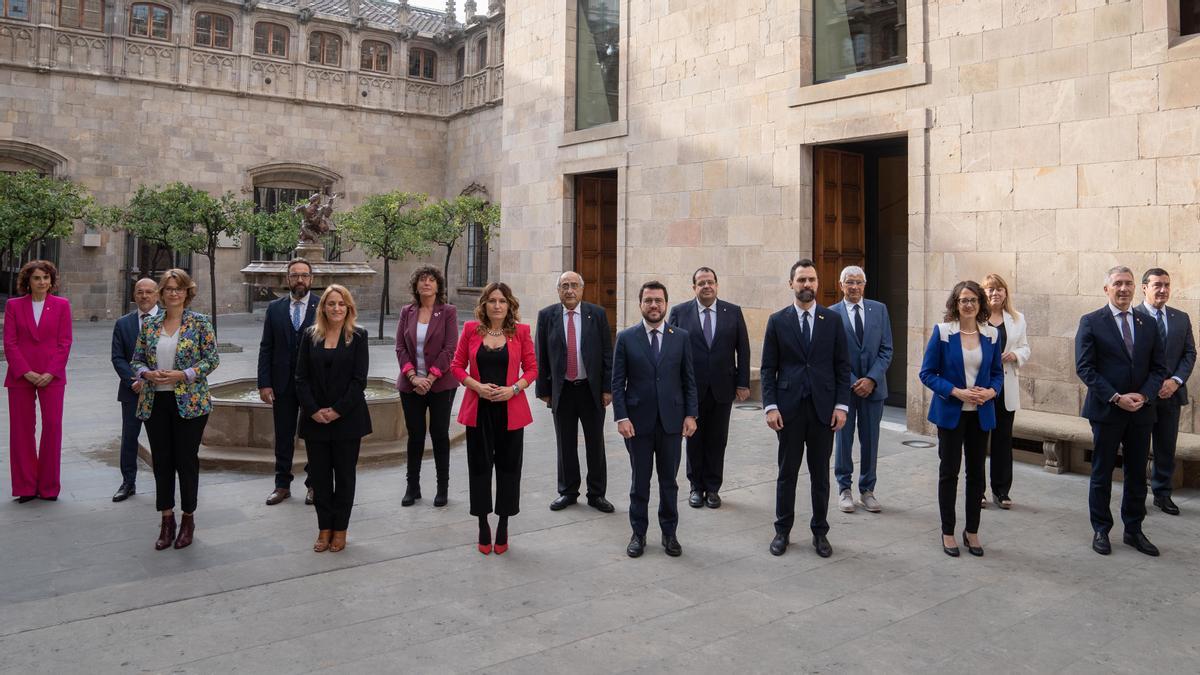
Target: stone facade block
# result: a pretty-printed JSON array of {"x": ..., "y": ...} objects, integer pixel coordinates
[
  {"x": 1102, "y": 140},
  {"x": 1052, "y": 187},
  {"x": 1179, "y": 180},
  {"x": 1087, "y": 230},
  {"x": 1184, "y": 224},
  {"x": 996, "y": 110},
  {"x": 1026, "y": 38},
  {"x": 1169, "y": 133},
  {"x": 1025, "y": 147},
  {"x": 1118, "y": 19},
  {"x": 1077, "y": 28},
  {"x": 1117, "y": 184},
  {"x": 1177, "y": 84},
  {"x": 1145, "y": 228},
  {"x": 981, "y": 191},
  {"x": 1133, "y": 91},
  {"x": 1048, "y": 273}
]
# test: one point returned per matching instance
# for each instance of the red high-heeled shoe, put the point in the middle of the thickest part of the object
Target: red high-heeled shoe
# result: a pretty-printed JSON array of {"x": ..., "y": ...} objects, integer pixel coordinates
[
  {"x": 485, "y": 548},
  {"x": 500, "y": 548}
]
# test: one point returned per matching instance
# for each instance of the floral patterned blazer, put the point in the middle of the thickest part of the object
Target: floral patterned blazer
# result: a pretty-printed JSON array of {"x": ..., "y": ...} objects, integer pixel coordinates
[{"x": 196, "y": 356}]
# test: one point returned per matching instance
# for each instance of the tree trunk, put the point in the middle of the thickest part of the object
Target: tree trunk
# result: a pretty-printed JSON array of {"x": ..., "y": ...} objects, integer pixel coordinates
[
  {"x": 446, "y": 266},
  {"x": 383, "y": 298},
  {"x": 212, "y": 282}
]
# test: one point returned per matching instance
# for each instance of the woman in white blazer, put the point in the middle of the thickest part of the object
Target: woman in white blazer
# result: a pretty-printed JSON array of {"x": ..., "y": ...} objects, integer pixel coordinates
[{"x": 1014, "y": 348}]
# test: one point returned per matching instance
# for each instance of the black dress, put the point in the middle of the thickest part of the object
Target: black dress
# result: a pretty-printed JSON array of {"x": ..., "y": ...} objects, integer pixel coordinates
[{"x": 490, "y": 443}]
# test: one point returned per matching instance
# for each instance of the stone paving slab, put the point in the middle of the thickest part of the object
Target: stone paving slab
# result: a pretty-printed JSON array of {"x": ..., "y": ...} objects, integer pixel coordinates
[{"x": 83, "y": 591}]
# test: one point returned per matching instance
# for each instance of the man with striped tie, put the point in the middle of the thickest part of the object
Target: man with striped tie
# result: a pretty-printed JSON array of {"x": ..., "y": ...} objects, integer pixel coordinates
[{"x": 574, "y": 352}]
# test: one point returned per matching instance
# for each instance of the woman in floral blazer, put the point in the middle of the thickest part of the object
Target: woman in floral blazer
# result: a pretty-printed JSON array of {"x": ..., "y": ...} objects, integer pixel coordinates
[{"x": 176, "y": 350}]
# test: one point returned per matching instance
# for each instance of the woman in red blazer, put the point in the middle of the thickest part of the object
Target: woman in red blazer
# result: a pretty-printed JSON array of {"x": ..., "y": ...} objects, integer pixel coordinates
[
  {"x": 496, "y": 362},
  {"x": 425, "y": 339},
  {"x": 37, "y": 342}
]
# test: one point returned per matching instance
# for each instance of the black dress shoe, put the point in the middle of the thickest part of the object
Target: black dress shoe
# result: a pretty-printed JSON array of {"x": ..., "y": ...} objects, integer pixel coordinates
[
  {"x": 26, "y": 498},
  {"x": 779, "y": 544},
  {"x": 278, "y": 495},
  {"x": 308, "y": 497},
  {"x": 124, "y": 492},
  {"x": 951, "y": 551},
  {"x": 48, "y": 499},
  {"x": 562, "y": 502},
  {"x": 1141, "y": 543},
  {"x": 671, "y": 544},
  {"x": 696, "y": 499},
  {"x": 976, "y": 551},
  {"x": 600, "y": 504},
  {"x": 712, "y": 500},
  {"x": 1100, "y": 544},
  {"x": 637, "y": 546},
  {"x": 1168, "y": 507},
  {"x": 822, "y": 545}
]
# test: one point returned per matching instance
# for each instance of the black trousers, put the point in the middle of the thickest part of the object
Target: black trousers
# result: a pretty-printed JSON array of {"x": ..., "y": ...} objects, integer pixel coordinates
[
  {"x": 332, "y": 467},
  {"x": 1000, "y": 445},
  {"x": 175, "y": 450},
  {"x": 1133, "y": 441},
  {"x": 648, "y": 452},
  {"x": 494, "y": 447},
  {"x": 131, "y": 426},
  {"x": 706, "y": 447},
  {"x": 437, "y": 405},
  {"x": 576, "y": 408},
  {"x": 809, "y": 432},
  {"x": 970, "y": 440},
  {"x": 1164, "y": 436},
  {"x": 285, "y": 413}
]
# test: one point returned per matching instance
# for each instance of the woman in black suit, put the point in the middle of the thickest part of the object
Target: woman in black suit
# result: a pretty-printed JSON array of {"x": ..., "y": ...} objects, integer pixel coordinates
[{"x": 331, "y": 376}]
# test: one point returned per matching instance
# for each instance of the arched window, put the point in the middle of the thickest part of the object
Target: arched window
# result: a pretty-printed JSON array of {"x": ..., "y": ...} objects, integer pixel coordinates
[
  {"x": 460, "y": 60},
  {"x": 481, "y": 55},
  {"x": 422, "y": 63},
  {"x": 375, "y": 56},
  {"x": 213, "y": 30},
  {"x": 150, "y": 21},
  {"x": 14, "y": 9},
  {"x": 270, "y": 39},
  {"x": 325, "y": 49},
  {"x": 500, "y": 46},
  {"x": 86, "y": 14}
]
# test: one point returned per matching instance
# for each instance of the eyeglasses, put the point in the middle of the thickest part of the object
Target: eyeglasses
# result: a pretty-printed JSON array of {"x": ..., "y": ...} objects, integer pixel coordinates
[
  {"x": 967, "y": 302},
  {"x": 173, "y": 290},
  {"x": 570, "y": 286},
  {"x": 299, "y": 276}
]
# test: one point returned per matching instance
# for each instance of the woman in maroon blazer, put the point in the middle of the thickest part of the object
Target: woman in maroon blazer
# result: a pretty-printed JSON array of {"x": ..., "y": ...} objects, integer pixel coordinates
[
  {"x": 37, "y": 342},
  {"x": 495, "y": 361},
  {"x": 425, "y": 339}
]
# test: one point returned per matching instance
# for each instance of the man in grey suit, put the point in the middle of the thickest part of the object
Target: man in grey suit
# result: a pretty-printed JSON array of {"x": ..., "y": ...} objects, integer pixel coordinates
[
  {"x": 1175, "y": 330},
  {"x": 869, "y": 341}
]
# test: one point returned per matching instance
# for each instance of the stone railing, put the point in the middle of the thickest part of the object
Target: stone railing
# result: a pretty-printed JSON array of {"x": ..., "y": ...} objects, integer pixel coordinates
[{"x": 48, "y": 49}]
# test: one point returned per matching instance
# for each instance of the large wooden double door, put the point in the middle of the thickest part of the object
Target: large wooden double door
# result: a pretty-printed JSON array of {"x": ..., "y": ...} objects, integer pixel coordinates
[
  {"x": 839, "y": 228},
  {"x": 596, "y": 240}
]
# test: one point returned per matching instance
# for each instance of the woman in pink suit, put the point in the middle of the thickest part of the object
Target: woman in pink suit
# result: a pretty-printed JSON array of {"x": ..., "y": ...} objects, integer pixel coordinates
[
  {"x": 495, "y": 361},
  {"x": 37, "y": 342}
]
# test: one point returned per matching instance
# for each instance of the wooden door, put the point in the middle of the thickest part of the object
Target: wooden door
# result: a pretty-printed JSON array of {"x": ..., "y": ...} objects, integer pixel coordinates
[
  {"x": 839, "y": 229},
  {"x": 596, "y": 240}
]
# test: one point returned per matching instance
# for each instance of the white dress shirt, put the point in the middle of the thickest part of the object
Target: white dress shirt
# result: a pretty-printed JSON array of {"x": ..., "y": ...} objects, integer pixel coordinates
[{"x": 38, "y": 307}]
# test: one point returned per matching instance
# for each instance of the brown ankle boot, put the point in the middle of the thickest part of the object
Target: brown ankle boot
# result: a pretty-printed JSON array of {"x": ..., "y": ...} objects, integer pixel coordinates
[
  {"x": 323, "y": 538},
  {"x": 166, "y": 533},
  {"x": 339, "y": 541},
  {"x": 187, "y": 526}
]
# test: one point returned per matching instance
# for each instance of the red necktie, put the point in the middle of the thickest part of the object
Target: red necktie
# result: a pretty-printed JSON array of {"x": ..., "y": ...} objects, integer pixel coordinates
[{"x": 572, "y": 353}]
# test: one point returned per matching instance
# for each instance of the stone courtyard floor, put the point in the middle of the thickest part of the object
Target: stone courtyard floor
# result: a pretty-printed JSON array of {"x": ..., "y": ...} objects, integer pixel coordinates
[{"x": 82, "y": 589}]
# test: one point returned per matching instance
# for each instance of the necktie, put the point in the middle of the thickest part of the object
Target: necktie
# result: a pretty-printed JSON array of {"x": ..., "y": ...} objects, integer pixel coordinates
[
  {"x": 1162, "y": 327},
  {"x": 572, "y": 353},
  {"x": 805, "y": 331},
  {"x": 1126, "y": 334},
  {"x": 858, "y": 324},
  {"x": 708, "y": 326},
  {"x": 654, "y": 345},
  {"x": 297, "y": 316}
]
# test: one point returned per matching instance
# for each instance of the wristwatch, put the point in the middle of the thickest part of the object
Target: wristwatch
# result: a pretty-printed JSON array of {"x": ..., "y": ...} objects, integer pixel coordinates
[{"x": 516, "y": 389}]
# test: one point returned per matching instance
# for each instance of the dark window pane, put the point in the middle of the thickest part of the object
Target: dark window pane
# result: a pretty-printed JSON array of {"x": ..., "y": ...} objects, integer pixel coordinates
[
  {"x": 597, "y": 62},
  {"x": 203, "y": 31},
  {"x": 314, "y": 49},
  {"x": 333, "y": 50},
  {"x": 17, "y": 9},
  {"x": 1189, "y": 17},
  {"x": 852, "y": 36},
  {"x": 481, "y": 54},
  {"x": 93, "y": 15},
  {"x": 160, "y": 26},
  {"x": 222, "y": 32},
  {"x": 139, "y": 20},
  {"x": 459, "y": 63},
  {"x": 68, "y": 13}
]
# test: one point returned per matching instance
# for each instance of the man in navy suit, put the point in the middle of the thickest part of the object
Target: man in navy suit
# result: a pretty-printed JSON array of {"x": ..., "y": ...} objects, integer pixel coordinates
[
  {"x": 1175, "y": 329},
  {"x": 721, "y": 361},
  {"x": 654, "y": 401},
  {"x": 806, "y": 393},
  {"x": 286, "y": 319},
  {"x": 124, "y": 339},
  {"x": 869, "y": 342},
  {"x": 1120, "y": 358},
  {"x": 574, "y": 351}
]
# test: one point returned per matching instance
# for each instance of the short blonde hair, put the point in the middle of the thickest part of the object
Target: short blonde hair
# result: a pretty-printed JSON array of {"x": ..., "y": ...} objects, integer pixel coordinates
[
  {"x": 321, "y": 326},
  {"x": 183, "y": 279},
  {"x": 997, "y": 281}
]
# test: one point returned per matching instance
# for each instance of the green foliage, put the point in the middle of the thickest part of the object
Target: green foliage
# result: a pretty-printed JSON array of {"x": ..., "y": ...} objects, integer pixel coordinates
[
  {"x": 443, "y": 223},
  {"x": 386, "y": 225},
  {"x": 34, "y": 208},
  {"x": 276, "y": 232}
]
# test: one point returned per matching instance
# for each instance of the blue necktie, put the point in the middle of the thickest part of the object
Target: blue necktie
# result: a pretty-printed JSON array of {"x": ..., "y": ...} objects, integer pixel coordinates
[
  {"x": 654, "y": 345},
  {"x": 858, "y": 324},
  {"x": 297, "y": 316},
  {"x": 1162, "y": 328},
  {"x": 805, "y": 331}
]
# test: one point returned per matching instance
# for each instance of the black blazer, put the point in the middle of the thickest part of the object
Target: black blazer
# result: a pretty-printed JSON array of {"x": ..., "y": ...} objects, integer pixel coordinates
[
  {"x": 726, "y": 365},
  {"x": 1105, "y": 367},
  {"x": 124, "y": 338},
  {"x": 277, "y": 350},
  {"x": 1180, "y": 350},
  {"x": 595, "y": 346},
  {"x": 338, "y": 384},
  {"x": 786, "y": 366}
]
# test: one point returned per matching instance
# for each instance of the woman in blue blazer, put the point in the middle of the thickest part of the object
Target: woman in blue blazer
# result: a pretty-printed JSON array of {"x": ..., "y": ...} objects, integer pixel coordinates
[{"x": 963, "y": 349}]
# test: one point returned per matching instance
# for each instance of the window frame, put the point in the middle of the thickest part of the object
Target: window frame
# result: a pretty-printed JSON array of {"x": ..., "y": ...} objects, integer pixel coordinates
[
  {"x": 460, "y": 63},
  {"x": 324, "y": 39},
  {"x": 272, "y": 28},
  {"x": 420, "y": 64},
  {"x": 6, "y": 10},
  {"x": 80, "y": 12},
  {"x": 481, "y": 54},
  {"x": 150, "y": 8},
  {"x": 213, "y": 17},
  {"x": 383, "y": 50}
]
